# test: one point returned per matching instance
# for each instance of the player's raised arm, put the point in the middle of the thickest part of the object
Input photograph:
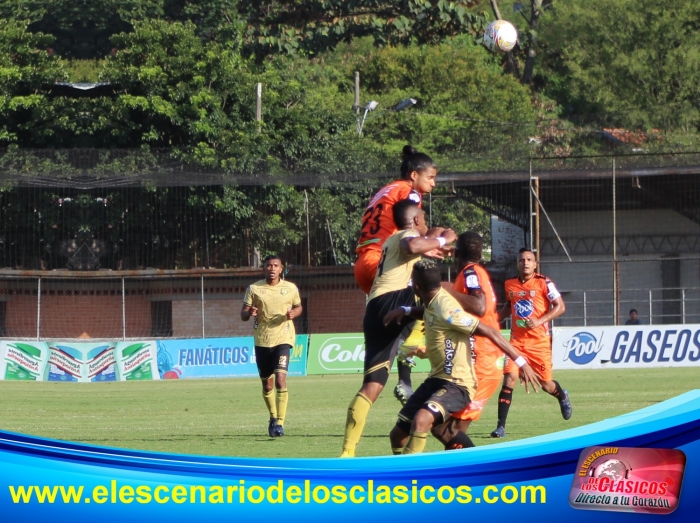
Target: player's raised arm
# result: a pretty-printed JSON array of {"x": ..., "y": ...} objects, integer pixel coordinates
[
  {"x": 396, "y": 315},
  {"x": 422, "y": 244}
]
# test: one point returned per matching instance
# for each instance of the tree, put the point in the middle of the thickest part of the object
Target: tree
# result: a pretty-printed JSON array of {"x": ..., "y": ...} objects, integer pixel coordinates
[
  {"x": 634, "y": 63},
  {"x": 26, "y": 69},
  {"x": 311, "y": 26}
]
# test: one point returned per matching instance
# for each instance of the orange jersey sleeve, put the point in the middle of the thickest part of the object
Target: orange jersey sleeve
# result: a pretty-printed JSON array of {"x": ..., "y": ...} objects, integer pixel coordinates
[
  {"x": 471, "y": 280},
  {"x": 378, "y": 220},
  {"x": 531, "y": 299}
]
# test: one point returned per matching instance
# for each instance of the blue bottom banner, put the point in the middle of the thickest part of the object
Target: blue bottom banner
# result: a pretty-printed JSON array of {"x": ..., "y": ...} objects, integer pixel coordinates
[{"x": 563, "y": 475}]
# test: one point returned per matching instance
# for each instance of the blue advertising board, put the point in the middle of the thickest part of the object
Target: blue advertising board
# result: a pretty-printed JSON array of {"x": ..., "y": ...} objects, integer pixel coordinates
[{"x": 220, "y": 358}]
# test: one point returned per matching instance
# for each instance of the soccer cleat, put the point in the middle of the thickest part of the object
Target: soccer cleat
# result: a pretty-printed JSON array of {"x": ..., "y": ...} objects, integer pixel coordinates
[
  {"x": 565, "y": 406},
  {"x": 347, "y": 453},
  {"x": 409, "y": 361},
  {"x": 278, "y": 431},
  {"x": 271, "y": 427},
  {"x": 500, "y": 432},
  {"x": 402, "y": 392}
]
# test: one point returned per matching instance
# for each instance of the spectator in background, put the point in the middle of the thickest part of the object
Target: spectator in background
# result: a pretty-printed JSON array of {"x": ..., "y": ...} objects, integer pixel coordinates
[{"x": 634, "y": 320}]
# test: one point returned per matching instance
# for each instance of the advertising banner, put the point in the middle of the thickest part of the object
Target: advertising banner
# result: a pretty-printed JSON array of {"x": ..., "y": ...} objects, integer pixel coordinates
[
  {"x": 78, "y": 361},
  {"x": 220, "y": 358},
  {"x": 626, "y": 346},
  {"x": 343, "y": 354}
]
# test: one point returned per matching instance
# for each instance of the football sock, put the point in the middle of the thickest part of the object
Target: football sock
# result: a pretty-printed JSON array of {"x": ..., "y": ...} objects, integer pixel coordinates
[
  {"x": 504, "y": 400},
  {"x": 416, "y": 443},
  {"x": 460, "y": 441},
  {"x": 404, "y": 373},
  {"x": 282, "y": 399},
  {"x": 558, "y": 392},
  {"x": 269, "y": 398},
  {"x": 355, "y": 424}
]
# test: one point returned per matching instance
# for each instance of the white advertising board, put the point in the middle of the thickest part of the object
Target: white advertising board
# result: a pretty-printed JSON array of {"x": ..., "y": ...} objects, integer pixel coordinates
[{"x": 629, "y": 346}]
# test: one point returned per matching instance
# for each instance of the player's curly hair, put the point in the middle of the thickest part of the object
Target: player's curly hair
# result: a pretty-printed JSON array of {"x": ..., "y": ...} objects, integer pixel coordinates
[
  {"x": 427, "y": 273},
  {"x": 469, "y": 246}
]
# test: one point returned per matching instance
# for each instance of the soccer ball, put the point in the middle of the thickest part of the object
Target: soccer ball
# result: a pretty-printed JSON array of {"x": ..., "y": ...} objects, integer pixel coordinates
[{"x": 500, "y": 36}]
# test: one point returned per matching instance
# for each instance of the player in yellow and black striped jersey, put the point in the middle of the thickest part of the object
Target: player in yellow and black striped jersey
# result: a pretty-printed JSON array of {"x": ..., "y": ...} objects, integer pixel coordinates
[
  {"x": 273, "y": 303},
  {"x": 452, "y": 380},
  {"x": 391, "y": 289}
]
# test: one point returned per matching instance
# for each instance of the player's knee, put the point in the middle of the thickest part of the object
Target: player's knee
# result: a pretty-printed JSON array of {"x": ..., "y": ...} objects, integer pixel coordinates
[
  {"x": 442, "y": 433},
  {"x": 510, "y": 380},
  {"x": 424, "y": 421},
  {"x": 379, "y": 376},
  {"x": 267, "y": 384},
  {"x": 280, "y": 380}
]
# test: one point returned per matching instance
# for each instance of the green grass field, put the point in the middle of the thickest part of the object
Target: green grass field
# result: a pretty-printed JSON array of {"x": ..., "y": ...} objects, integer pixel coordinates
[{"x": 228, "y": 417}]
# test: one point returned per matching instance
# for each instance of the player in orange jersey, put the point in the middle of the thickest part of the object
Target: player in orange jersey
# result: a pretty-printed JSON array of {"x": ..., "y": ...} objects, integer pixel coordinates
[
  {"x": 533, "y": 301},
  {"x": 474, "y": 292},
  {"x": 418, "y": 172}
]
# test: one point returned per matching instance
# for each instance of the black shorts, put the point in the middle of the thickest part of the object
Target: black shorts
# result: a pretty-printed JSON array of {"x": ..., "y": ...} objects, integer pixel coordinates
[
  {"x": 382, "y": 342},
  {"x": 272, "y": 359},
  {"x": 439, "y": 396}
]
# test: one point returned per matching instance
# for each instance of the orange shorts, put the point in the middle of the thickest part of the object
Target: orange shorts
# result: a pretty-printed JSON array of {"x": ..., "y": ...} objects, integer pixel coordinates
[
  {"x": 366, "y": 268},
  {"x": 485, "y": 388},
  {"x": 540, "y": 359}
]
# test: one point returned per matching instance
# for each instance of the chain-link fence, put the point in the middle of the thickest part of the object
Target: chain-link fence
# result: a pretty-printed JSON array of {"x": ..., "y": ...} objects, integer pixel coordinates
[{"x": 167, "y": 258}]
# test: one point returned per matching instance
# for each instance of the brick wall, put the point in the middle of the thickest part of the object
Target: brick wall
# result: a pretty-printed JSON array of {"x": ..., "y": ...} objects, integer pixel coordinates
[{"x": 70, "y": 316}]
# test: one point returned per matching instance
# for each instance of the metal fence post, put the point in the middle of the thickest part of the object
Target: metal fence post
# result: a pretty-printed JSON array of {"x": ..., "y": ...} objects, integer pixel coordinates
[
  {"x": 683, "y": 305},
  {"x": 203, "y": 307},
  {"x": 123, "y": 310},
  {"x": 650, "y": 318},
  {"x": 585, "y": 310},
  {"x": 616, "y": 274},
  {"x": 38, "y": 310}
]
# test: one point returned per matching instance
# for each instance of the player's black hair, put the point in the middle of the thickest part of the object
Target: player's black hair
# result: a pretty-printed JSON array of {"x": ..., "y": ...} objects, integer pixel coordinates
[
  {"x": 403, "y": 213},
  {"x": 633, "y": 310},
  {"x": 427, "y": 274},
  {"x": 469, "y": 246},
  {"x": 526, "y": 249},
  {"x": 273, "y": 257},
  {"x": 414, "y": 161}
]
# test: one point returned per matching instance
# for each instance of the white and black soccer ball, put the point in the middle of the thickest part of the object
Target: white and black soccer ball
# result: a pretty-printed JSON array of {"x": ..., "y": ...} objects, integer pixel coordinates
[{"x": 500, "y": 35}]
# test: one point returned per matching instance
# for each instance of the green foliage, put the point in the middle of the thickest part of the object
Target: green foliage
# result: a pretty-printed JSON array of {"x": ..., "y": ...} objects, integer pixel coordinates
[
  {"x": 633, "y": 63},
  {"x": 25, "y": 71},
  {"x": 312, "y": 26}
]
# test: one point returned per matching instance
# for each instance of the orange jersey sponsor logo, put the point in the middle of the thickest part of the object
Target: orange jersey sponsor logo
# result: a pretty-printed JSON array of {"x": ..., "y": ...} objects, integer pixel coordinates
[{"x": 530, "y": 299}]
